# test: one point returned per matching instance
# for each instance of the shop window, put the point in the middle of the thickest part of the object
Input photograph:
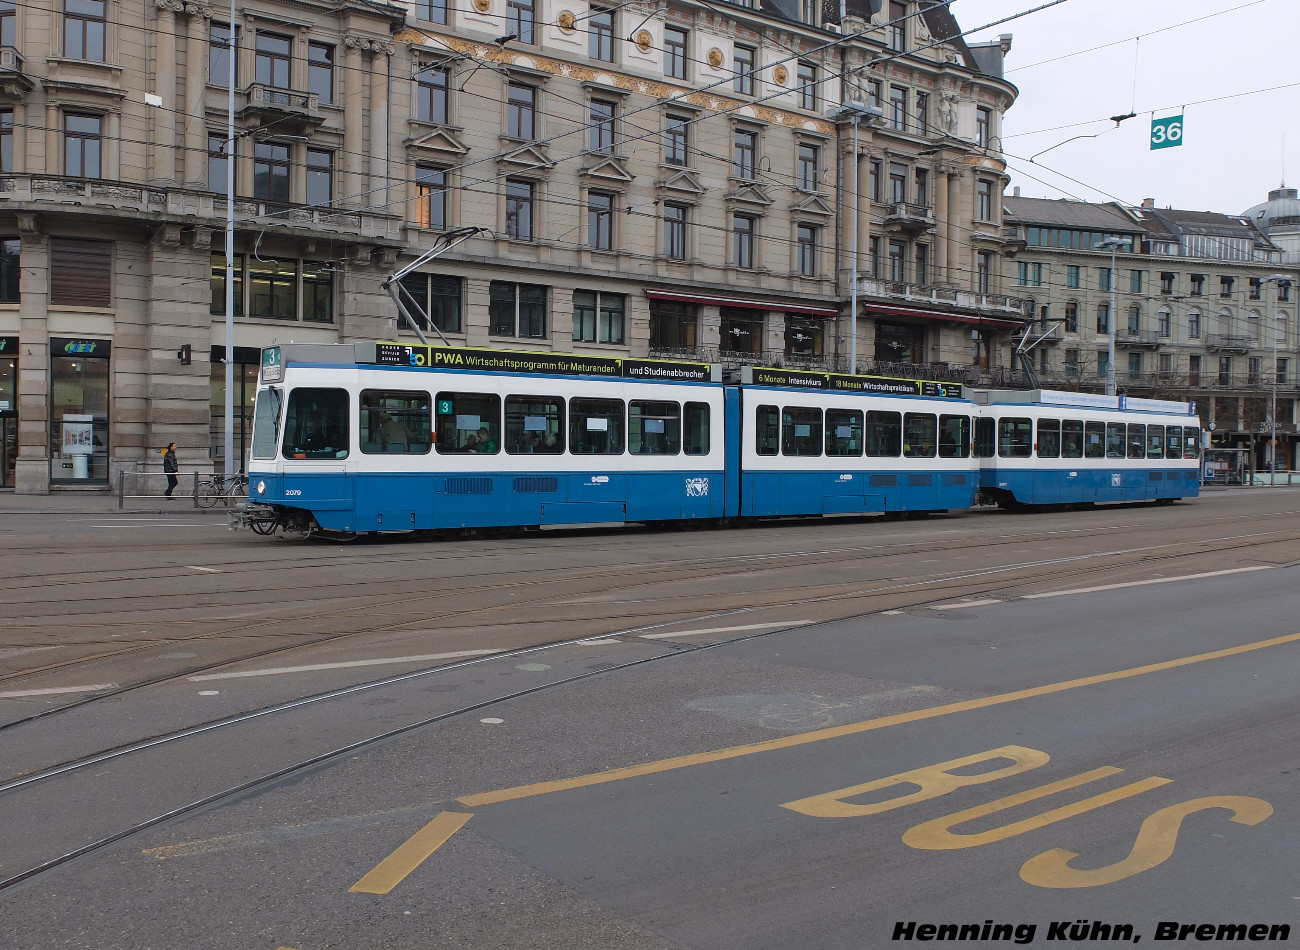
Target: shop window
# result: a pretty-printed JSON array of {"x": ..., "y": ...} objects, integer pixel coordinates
[{"x": 79, "y": 375}]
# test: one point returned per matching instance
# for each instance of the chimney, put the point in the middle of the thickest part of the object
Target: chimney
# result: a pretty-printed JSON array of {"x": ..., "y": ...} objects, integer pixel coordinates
[
  {"x": 1015, "y": 192},
  {"x": 1148, "y": 202}
]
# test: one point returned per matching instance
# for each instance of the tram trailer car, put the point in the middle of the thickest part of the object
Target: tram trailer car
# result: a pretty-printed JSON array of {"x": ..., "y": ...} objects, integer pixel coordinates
[
  {"x": 385, "y": 437},
  {"x": 1043, "y": 448}
]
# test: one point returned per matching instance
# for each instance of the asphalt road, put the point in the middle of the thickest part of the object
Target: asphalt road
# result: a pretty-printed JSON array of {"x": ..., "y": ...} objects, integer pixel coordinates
[{"x": 816, "y": 735}]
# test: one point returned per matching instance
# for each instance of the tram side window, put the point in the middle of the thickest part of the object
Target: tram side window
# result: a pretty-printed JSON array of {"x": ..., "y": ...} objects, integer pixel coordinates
[
  {"x": 395, "y": 422},
  {"x": 801, "y": 431},
  {"x": 1137, "y": 442},
  {"x": 1115, "y": 440},
  {"x": 266, "y": 422},
  {"x": 654, "y": 428},
  {"x": 1094, "y": 440},
  {"x": 954, "y": 437},
  {"x": 469, "y": 422},
  {"x": 697, "y": 428},
  {"x": 316, "y": 425},
  {"x": 767, "y": 430},
  {"x": 919, "y": 435},
  {"x": 596, "y": 426},
  {"x": 986, "y": 431},
  {"x": 843, "y": 432},
  {"x": 1015, "y": 437},
  {"x": 534, "y": 424},
  {"x": 1155, "y": 442},
  {"x": 1049, "y": 438},
  {"x": 884, "y": 434},
  {"x": 1191, "y": 442},
  {"x": 1072, "y": 439}
]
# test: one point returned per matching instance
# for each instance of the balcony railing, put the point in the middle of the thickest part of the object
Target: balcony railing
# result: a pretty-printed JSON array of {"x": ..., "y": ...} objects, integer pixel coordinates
[
  {"x": 291, "y": 111},
  {"x": 909, "y": 217},
  {"x": 916, "y": 294},
  {"x": 1229, "y": 342},
  {"x": 1140, "y": 338}
]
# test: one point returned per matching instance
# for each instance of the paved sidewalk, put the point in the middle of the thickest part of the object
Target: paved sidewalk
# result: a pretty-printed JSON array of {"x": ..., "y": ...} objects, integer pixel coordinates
[{"x": 83, "y": 502}]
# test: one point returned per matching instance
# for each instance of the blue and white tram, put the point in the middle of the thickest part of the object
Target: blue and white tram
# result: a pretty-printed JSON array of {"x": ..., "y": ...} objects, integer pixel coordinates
[
  {"x": 816, "y": 443},
  {"x": 1059, "y": 448},
  {"x": 370, "y": 437}
]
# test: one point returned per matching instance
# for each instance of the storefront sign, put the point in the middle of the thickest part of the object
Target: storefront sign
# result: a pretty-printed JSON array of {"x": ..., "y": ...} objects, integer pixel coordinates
[
  {"x": 91, "y": 349},
  {"x": 8, "y": 345}
]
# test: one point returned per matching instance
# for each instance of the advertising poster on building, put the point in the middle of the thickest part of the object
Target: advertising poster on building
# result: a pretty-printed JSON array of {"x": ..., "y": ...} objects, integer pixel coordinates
[{"x": 78, "y": 435}]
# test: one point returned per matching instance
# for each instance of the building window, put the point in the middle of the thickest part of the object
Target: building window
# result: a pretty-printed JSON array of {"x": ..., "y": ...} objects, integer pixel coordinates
[
  {"x": 84, "y": 26},
  {"x": 984, "y": 200},
  {"x": 434, "y": 11},
  {"x": 1071, "y": 362},
  {"x": 8, "y": 25},
  {"x": 1103, "y": 278},
  {"x": 742, "y": 230},
  {"x": 1193, "y": 371},
  {"x": 218, "y": 163},
  {"x": 873, "y": 179},
  {"x": 271, "y": 171},
  {"x": 897, "y": 183},
  {"x": 277, "y": 289},
  {"x": 82, "y": 145},
  {"x": 1194, "y": 325},
  {"x": 676, "y": 136},
  {"x": 320, "y": 176},
  {"x": 673, "y": 326},
  {"x": 320, "y": 71},
  {"x": 873, "y": 256},
  {"x": 874, "y": 93},
  {"x": 1166, "y": 282},
  {"x": 600, "y": 119},
  {"x": 1134, "y": 320},
  {"x": 742, "y": 331},
  {"x": 806, "y": 75},
  {"x": 10, "y": 273},
  {"x": 600, "y": 220},
  {"x": 898, "y": 262},
  {"x": 521, "y": 112},
  {"x": 1225, "y": 370},
  {"x": 1165, "y": 364},
  {"x": 922, "y": 194},
  {"x": 1134, "y": 365},
  {"x": 744, "y": 68},
  {"x": 519, "y": 210},
  {"x": 274, "y": 60},
  {"x": 1103, "y": 318},
  {"x": 519, "y": 20},
  {"x": 1280, "y": 369},
  {"x": 219, "y": 54},
  {"x": 804, "y": 336},
  {"x": 431, "y": 198},
  {"x": 675, "y": 41},
  {"x": 1225, "y": 286},
  {"x": 1029, "y": 274},
  {"x": 922, "y": 112},
  {"x": 1198, "y": 285},
  {"x": 1103, "y": 365},
  {"x": 431, "y": 95},
  {"x": 675, "y": 232},
  {"x": 922, "y": 254},
  {"x": 807, "y": 170},
  {"x": 1163, "y": 323},
  {"x": 600, "y": 34},
  {"x": 81, "y": 273},
  {"x": 1072, "y": 275},
  {"x": 517, "y": 310},
  {"x": 1256, "y": 289},
  {"x": 1283, "y": 291},
  {"x": 1135, "y": 281},
  {"x": 806, "y": 245},
  {"x": 983, "y": 127},
  {"x": 983, "y": 272},
  {"x": 598, "y": 317},
  {"x": 896, "y": 28},
  {"x": 898, "y": 108},
  {"x": 1254, "y": 367},
  {"x": 1071, "y": 317},
  {"x": 439, "y": 298},
  {"x": 79, "y": 410}
]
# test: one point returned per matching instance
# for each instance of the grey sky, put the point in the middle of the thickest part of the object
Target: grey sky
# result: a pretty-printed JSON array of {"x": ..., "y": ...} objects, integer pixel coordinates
[{"x": 1233, "y": 148}]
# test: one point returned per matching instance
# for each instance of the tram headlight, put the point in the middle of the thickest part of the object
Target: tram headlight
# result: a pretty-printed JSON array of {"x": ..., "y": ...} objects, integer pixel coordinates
[{"x": 261, "y": 488}]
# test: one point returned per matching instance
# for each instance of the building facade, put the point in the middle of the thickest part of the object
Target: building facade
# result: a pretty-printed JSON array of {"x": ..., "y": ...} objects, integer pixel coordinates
[
  {"x": 644, "y": 179},
  {"x": 1201, "y": 306}
]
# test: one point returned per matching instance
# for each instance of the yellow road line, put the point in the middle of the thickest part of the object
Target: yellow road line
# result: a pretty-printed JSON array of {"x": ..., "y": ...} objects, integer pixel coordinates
[
  {"x": 390, "y": 871},
  {"x": 868, "y": 725}
]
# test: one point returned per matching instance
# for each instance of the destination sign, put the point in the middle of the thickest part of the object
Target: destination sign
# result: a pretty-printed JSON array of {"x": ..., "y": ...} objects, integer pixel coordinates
[
  {"x": 839, "y": 382},
  {"x": 508, "y": 361}
]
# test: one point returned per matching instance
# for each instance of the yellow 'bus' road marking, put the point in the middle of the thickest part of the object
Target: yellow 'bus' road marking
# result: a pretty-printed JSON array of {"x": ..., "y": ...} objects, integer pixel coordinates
[
  {"x": 853, "y": 728},
  {"x": 411, "y": 854}
]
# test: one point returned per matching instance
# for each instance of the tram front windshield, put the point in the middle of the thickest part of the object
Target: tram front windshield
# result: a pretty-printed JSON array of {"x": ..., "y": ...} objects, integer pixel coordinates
[{"x": 316, "y": 425}]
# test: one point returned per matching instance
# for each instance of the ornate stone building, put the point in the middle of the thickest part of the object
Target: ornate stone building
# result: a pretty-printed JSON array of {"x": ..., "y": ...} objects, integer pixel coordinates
[{"x": 643, "y": 178}]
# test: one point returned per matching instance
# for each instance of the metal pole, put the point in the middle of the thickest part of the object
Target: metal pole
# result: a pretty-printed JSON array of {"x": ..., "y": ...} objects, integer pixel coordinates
[
  {"x": 853, "y": 286},
  {"x": 1110, "y": 359},
  {"x": 228, "y": 447},
  {"x": 1272, "y": 415}
]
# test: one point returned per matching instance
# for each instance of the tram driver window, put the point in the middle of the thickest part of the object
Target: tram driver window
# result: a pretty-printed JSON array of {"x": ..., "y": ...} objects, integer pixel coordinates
[
  {"x": 1095, "y": 440},
  {"x": 316, "y": 425},
  {"x": 1072, "y": 439},
  {"x": 1115, "y": 440},
  {"x": 266, "y": 422},
  {"x": 844, "y": 430},
  {"x": 596, "y": 426},
  {"x": 697, "y": 428},
  {"x": 654, "y": 428},
  {"x": 954, "y": 437},
  {"x": 801, "y": 431},
  {"x": 469, "y": 422},
  {"x": 884, "y": 434},
  {"x": 1015, "y": 437},
  {"x": 534, "y": 424},
  {"x": 395, "y": 422},
  {"x": 767, "y": 430},
  {"x": 919, "y": 432},
  {"x": 1049, "y": 438},
  {"x": 1155, "y": 442}
]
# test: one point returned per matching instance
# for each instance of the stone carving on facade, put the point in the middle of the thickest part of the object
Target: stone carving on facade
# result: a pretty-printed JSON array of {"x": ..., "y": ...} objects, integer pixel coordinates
[
  {"x": 180, "y": 6},
  {"x": 948, "y": 111},
  {"x": 203, "y": 238},
  {"x": 369, "y": 44}
]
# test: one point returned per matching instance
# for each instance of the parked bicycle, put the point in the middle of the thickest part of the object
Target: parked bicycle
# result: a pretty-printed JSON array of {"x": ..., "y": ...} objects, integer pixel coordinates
[{"x": 230, "y": 490}]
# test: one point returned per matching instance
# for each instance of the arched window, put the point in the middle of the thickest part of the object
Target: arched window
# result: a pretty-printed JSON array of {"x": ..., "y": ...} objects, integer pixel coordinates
[
  {"x": 1163, "y": 321},
  {"x": 1225, "y": 322},
  {"x": 1193, "y": 324}
]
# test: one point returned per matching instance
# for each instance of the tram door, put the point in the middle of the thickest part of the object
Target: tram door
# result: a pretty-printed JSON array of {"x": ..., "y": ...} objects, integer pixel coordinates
[{"x": 8, "y": 450}]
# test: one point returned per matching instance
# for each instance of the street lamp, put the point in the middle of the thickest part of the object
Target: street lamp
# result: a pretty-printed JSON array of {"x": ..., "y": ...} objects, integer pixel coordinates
[
  {"x": 854, "y": 111},
  {"x": 228, "y": 446},
  {"x": 1111, "y": 244},
  {"x": 1272, "y": 412}
]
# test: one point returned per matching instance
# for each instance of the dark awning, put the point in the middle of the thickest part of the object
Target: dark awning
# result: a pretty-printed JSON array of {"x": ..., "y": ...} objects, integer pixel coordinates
[{"x": 975, "y": 319}]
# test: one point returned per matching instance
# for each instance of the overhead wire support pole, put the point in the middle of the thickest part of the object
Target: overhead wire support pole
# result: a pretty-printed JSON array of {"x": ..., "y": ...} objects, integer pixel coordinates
[{"x": 228, "y": 446}]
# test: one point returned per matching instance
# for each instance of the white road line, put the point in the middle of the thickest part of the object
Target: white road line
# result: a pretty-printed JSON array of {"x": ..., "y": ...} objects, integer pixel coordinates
[
  {"x": 54, "y": 690},
  {"x": 276, "y": 671},
  {"x": 964, "y": 604},
  {"x": 157, "y": 524},
  {"x": 748, "y": 626},
  {"x": 1156, "y": 580},
  {"x": 206, "y": 570}
]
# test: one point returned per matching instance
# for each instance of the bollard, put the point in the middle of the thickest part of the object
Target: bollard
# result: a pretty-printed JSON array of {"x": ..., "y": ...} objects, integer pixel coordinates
[{"x": 121, "y": 488}]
